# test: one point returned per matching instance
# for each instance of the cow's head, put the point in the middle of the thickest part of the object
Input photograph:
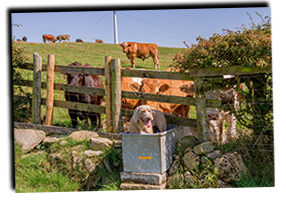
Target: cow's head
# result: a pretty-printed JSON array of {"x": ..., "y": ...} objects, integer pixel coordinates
[
  {"x": 125, "y": 45},
  {"x": 153, "y": 86},
  {"x": 188, "y": 88},
  {"x": 75, "y": 79}
]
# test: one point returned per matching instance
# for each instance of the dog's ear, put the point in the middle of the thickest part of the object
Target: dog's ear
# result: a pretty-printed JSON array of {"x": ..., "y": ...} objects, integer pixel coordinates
[{"x": 135, "y": 114}]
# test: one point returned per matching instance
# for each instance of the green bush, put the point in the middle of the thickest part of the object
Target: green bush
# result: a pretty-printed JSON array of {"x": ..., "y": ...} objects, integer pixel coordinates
[
  {"x": 21, "y": 107},
  {"x": 249, "y": 47}
]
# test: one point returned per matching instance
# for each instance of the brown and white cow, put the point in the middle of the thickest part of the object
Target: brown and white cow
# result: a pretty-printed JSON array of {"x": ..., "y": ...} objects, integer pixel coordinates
[
  {"x": 141, "y": 50},
  {"x": 79, "y": 40},
  {"x": 63, "y": 37},
  {"x": 131, "y": 84},
  {"x": 47, "y": 37}
]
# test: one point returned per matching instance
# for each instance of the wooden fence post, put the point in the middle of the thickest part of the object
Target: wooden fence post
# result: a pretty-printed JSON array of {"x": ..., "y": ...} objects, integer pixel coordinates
[
  {"x": 108, "y": 102},
  {"x": 36, "y": 99},
  {"x": 202, "y": 122},
  {"x": 116, "y": 95},
  {"x": 50, "y": 90}
]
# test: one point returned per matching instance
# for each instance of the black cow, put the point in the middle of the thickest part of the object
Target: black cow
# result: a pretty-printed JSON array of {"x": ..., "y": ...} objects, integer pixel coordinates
[
  {"x": 24, "y": 39},
  {"x": 79, "y": 40},
  {"x": 88, "y": 81}
]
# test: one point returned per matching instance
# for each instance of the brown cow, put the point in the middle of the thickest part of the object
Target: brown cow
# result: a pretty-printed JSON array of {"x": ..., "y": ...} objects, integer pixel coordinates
[
  {"x": 131, "y": 84},
  {"x": 168, "y": 87},
  {"x": 63, "y": 37},
  {"x": 98, "y": 41},
  {"x": 142, "y": 51},
  {"x": 47, "y": 37}
]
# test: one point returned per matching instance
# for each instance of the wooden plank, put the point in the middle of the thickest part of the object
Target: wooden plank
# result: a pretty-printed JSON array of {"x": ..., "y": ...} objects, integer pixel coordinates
[
  {"x": 36, "y": 99},
  {"x": 50, "y": 129},
  {"x": 79, "y": 70},
  {"x": 71, "y": 105},
  {"x": 108, "y": 100},
  {"x": 199, "y": 72},
  {"x": 159, "y": 98},
  {"x": 233, "y": 70},
  {"x": 62, "y": 130},
  {"x": 116, "y": 95},
  {"x": 68, "y": 88},
  {"x": 67, "y": 69},
  {"x": 50, "y": 90},
  {"x": 182, "y": 121},
  {"x": 77, "y": 106},
  {"x": 156, "y": 74}
]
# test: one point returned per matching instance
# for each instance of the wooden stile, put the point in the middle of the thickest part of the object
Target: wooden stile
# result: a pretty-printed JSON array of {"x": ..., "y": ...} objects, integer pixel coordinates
[
  {"x": 50, "y": 90},
  {"x": 108, "y": 102},
  {"x": 36, "y": 99}
]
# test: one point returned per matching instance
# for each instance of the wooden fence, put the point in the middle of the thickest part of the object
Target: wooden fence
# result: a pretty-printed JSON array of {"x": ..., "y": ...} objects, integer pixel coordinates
[{"x": 113, "y": 93}]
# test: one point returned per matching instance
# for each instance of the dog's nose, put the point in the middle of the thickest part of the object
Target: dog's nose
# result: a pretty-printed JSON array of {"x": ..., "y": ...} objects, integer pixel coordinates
[{"x": 149, "y": 117}]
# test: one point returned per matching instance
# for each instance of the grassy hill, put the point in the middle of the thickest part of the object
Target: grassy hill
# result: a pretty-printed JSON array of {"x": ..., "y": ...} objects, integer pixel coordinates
[{"x": 94, "y": 53}]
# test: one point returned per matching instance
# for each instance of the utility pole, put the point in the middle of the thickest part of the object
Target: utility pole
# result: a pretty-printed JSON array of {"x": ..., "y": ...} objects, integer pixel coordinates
[{"x": 115, "y": 28}]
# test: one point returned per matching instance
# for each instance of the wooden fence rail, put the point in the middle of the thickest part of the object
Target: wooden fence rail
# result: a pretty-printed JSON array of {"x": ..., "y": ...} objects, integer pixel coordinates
[{"x": 113, "y": 93}]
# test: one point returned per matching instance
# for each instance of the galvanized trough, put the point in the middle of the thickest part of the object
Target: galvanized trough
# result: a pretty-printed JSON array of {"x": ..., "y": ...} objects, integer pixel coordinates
[{"x": 150, "y": 153}]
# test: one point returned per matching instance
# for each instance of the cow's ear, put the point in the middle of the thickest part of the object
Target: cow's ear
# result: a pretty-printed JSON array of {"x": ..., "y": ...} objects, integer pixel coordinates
[
  {"x": 120, "y": 44},
  {"x": 134, "y": 87},
  {"x": 163, "y": 88}
]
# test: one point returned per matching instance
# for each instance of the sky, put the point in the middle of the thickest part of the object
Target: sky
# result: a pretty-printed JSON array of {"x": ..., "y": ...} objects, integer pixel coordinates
[{"x": 167, "y": 28}]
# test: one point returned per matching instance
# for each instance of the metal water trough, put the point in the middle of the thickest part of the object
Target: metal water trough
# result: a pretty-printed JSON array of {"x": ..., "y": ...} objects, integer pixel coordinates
[{"x": 150, "y": 153}]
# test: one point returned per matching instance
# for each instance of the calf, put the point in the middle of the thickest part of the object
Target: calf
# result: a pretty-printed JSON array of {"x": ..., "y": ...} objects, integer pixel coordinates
[
  {"x": 47, "y": 37},
  {"x": 229, "y": 96},
  {"x": 98, "y": 41},
  {"x": 88, "y": 81},
  {"x": 142, "y": 51}
]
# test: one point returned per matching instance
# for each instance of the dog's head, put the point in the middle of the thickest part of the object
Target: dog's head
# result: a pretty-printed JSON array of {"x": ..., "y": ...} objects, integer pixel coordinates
[{"x": 143, "y": 113}]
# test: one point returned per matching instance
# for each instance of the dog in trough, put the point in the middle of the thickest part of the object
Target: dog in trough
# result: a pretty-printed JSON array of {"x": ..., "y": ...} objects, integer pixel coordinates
[{"x": 147, "y": 120}]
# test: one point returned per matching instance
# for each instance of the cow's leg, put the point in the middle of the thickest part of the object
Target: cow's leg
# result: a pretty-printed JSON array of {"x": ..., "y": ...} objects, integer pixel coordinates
[
  {"x": 156, "y": 61},
  {"x": 93, "y": 119},
  {"x": 99, "y": 120},
  {"x": 83, "y": 116},
  {"x": 73, "y": 116},
  {"x": 133, "y": 61}
]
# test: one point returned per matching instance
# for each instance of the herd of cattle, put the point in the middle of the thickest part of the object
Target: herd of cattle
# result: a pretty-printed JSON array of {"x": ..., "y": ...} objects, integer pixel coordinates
[
  {"x": 216, "y": 118},
  {"x": 60, "y": 38}
]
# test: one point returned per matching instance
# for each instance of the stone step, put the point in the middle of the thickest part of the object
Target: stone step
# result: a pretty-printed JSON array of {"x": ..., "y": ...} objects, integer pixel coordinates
[
  {"x": 138, "y": 186},
  {"x": 144, "y": 178}
]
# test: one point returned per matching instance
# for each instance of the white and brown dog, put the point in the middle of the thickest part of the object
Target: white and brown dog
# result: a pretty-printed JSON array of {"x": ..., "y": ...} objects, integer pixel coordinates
[{"x": 147, "y": 120}]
